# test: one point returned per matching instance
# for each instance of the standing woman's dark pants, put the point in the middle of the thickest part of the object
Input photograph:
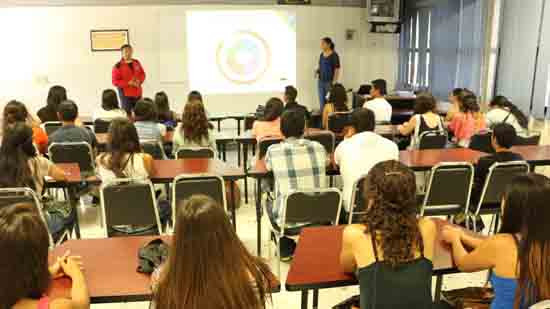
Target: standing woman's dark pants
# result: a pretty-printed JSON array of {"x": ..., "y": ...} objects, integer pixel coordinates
[{"x": 127, "y": 103}]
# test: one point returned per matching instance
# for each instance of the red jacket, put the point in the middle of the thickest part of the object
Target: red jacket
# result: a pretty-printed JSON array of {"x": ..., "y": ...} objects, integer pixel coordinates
[{"x": 123, "y": 74}]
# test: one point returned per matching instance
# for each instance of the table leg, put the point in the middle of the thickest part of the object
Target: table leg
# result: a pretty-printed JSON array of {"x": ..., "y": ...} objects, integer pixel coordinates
[
  {"x": 219, "y": 125},
  {"x": 259, "y": 215},
  {"x": 74, "y": 202},
  {"x": 438, "y": 286},
  {"x": 238, "y": 154},
  {"x": 224, "y": 153},
  {"x": 315, "y": 299},
  {"x": 245, "y": 167},
  {"x": 304, "y": 299},
  {"x": 238, "y": 127},
  {"x": 233, "y": 210}
]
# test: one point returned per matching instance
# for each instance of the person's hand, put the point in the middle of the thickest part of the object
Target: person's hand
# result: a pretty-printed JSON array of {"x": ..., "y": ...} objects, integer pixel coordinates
[
  {"x": 55, "y": 269},
  {"x": 451, "y": 234},
  {"x": 72, "y": 266}
]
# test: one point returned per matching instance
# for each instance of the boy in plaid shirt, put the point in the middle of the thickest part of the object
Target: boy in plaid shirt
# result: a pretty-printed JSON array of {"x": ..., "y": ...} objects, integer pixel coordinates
[{"x": 297, "y": 164}]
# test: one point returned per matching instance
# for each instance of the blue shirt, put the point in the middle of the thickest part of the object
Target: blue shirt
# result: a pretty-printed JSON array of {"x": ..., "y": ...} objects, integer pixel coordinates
[
  {"x": 327, "y": 67},
  {"x": 505, "y": 292}
]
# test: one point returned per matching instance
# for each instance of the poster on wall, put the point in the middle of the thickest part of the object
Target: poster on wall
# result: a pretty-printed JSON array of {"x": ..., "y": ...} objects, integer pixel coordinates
[{"x": 108, "y": 40}]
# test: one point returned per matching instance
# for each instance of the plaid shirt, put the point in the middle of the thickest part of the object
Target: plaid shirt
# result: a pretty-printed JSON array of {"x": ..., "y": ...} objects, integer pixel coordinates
[{"x": 297, "y": 164}]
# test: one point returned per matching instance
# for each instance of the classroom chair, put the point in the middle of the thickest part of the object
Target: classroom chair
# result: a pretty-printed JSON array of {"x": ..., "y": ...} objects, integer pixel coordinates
[
  {"x": 154, "y": 148},
  {"x": 327, "y": 139},
  {"x": 101, "y": 126},
  {"x": 499, "y": 177},
  {"x": 129, "y": 208},
  {"x": 357, "y": 204},
  {"x": 264, "y": 144},
  {"x": 338, "y": 121},
  {"x": 316, "y": 206},
  {"x": 482, "y": 142},
  {"x": 531, "y": 139},
  {"x": 449, "y": 189},
  {"x": 74, "y": 152},
  {"x": 51, "y": 126},
  {"x": 195, "y": 152},
  {"x": 432, "y": 140}
]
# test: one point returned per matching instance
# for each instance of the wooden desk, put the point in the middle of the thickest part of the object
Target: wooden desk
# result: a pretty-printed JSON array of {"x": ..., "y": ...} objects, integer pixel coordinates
[
  {"x": 534, "y": 155},
  {"x": 423, "y": 160},
  {"x": 110, "y": 269},
  {"x": 218, "y": 117},
  {"x": 316, "y": 266}
]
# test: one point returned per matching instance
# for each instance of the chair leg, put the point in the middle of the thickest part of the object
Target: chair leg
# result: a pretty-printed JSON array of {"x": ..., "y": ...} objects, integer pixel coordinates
[{"x": 278, "y": 257}]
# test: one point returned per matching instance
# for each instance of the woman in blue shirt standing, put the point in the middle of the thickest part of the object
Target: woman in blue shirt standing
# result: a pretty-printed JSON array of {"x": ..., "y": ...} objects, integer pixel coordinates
[{"x": 328, "y": 70}]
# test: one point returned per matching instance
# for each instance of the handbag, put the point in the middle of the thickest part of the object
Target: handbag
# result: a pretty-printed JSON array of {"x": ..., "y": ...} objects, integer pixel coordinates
[{"x": 472, "y": 297}]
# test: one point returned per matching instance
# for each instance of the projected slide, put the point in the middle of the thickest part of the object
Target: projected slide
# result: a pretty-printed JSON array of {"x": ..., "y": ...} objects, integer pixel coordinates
[{"x": 241, "y": 51}]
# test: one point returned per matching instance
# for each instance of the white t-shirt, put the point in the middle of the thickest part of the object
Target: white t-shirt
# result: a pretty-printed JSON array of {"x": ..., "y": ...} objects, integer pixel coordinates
[
  {"x": 109, "y": 115},
  {"x": 358, "y": 154},
  {"x": 497, "y": 115},
  {"x": 135, "y": 167},
  {"x": 381, "y": 108}
]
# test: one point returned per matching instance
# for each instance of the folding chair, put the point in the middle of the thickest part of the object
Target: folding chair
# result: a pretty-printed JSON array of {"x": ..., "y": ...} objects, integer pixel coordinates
[
  {"x": 129, "y": 208},
  {"x": 185, "y": 186},
  {"x": 195, "y": 152},
  {"x": 357, "y": 203},
  {"x": 338, "y": 121},
  {"x": 11, "y": 196},
  {"x": 77, "y": 152},
  {"x": 482, "y": 142},
  {"x": 264, "y": 144},
  {"x": 432, "y": 140},
  {"x": 532, "y": 139},
  {"x": 51, "y": 126},
  {"x": 326, "y": 139},
  {"x": 316, "y": 206},
  {"x": 154, "y": 148},
  {"x": 449, "y": 189},
  {"x": 101, "y": 126},
  {"x": 499, "y": 177}
]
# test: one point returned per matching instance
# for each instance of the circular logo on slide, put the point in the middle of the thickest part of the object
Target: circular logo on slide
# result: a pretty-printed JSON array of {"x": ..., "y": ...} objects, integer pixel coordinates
[{"x": 243, "y": 57}]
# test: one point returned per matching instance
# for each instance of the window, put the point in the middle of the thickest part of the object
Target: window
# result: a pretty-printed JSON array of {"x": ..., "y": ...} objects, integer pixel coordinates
[
  {"x": 416, "y": 51},
  {"x": 494, "y": 49}
]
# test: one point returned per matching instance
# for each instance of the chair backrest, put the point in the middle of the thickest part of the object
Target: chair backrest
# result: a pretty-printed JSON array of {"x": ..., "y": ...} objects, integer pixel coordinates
[
  {"x": 129, "y": 202},
  {"x": 432, "y": 140},
  {"x": 326, "y": 139},
  {"x": 482, "y": 142},
  {"x": 154, "y": 148},
  {"x": 314, "y": 206},
  {"x": 249, "y": 122},
  {"x": 500, "y": 175},
  {"x": 51, "y": 126},
  {"x": 357, "y": 204},
  {"x": 532, "y": 139},
  {"x": 449, "y": 186},
  {"x": 338, "y": 121},
  {"x": 265, "y": 143},
  {"x": 10, "y": 196},
  {"x": 195, "y": 152},
  {"x": 78, "y": 152},
  {"x": 185, "y": 186},
  {"x": 101, "y": 126}
]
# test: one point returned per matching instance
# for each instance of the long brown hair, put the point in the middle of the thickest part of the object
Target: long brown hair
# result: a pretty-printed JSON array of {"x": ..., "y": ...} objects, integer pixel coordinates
[
  {"x": 390, "y": 192},
  {"x": 16, "y": 151},
  {"x": 123, "y": 140},
  {"x": 194, "y": 122},
  {"x": 24, "y": 245},
  {"x": 14, "y": 112},
  {"x": 534, "y": 249},
  {"x": 208, "y": 266}
]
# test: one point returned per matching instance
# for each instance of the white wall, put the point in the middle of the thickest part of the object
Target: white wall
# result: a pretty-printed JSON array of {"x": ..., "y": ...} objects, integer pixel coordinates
[{"x": 46, "y": 46}]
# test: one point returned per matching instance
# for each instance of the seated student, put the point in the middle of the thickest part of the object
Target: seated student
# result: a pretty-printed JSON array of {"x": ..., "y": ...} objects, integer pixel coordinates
[
  {"x": 23, "y": 167},
  {"x": 291, "y": 93},
  {"x": 110, "y": 109},
  {"x": 465, "y": 123},
  {"x": 382, "y": 109},
  {"x": 502, "y": 139},
  {"x": 518, "y": 254},
  {"x": 455, "y": 104},
  {"x": 220, "y": 263},
  {"x": 165, "y": 116},
  {"x": 56, "y": 95},
  {"x": 25, "y": 274},
  {"x": 503, "y": 110},
  {"x": 194, "y": 130},
  {"x": 70, "y": 132},
  {"x": 270, "y": 125},
  {"x": 194, "y": 95},
  {"x": 425, "y": 119},
  {"x": 337, "y": 103},
  {"x": 16, "y": 112},
  {"x": 297, "y": 164},
  {"x": 392, "y": 250},
  {"x": 360, "y": 151},
  {"x": 145, "y": 117}
]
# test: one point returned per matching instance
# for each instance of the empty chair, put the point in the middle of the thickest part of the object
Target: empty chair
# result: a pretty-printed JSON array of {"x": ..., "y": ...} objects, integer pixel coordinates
[
  {"x": 317, "y": 206},
  {"x": 482, "y": 142},
  {"x": 195, "y": 152},
  {"x": 531, "y": 139},
  {"x": 432, "y": 140},
  {"x": 185, "y": 186},
  {"x": 129, "y": 207},
  {"x": 338, "y": 121},
  {"x": 51, "y": 126},
  {"x": 357, "y": 204},
  {"x": 325, "y": 138},
  {"x": 264, "y": 145},
  {"x": 154, "y": 148},
  {"x": 101, "y": 126},
  {"x": 449, "y": 189},
  {"x": 499, "y": 176},
  {"x": 77, "y": 152}
]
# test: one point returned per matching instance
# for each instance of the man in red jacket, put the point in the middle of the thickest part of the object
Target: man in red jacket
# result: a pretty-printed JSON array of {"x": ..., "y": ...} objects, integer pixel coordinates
[{"x": 128, "y": 76}]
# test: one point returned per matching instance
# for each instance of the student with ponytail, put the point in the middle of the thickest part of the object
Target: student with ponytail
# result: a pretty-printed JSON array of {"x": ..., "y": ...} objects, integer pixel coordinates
[{"x": 503, "y": 110}]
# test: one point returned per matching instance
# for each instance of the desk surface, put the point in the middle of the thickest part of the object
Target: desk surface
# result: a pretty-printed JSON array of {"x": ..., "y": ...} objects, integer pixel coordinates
[
  {"x": 426, "y": 159},
  {"x": 110, "y": 269},
  {"x": 536, "y": 155},
  {"x": 317, "y": 266}
]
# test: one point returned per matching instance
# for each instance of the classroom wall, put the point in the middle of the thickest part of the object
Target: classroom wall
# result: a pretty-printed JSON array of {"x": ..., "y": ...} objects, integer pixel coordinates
[{"x": 46, "y": 46}]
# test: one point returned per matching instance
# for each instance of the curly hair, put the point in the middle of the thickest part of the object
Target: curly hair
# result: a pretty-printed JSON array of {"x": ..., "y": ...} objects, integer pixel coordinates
[
  {"x": 390, "y": 191},
  {"x": 194, "y": 122}
]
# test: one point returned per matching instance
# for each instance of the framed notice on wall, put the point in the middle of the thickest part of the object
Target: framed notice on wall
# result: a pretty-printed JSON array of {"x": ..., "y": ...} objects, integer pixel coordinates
[
  {"x": 108, "y": 40},
  {"x": 383, "y": 11}
]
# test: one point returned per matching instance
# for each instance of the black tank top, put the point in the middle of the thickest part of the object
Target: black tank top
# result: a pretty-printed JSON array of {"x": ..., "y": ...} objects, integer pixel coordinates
[
  {"x": 424, "y": 126},
  {"x": 402, "y": 287}
]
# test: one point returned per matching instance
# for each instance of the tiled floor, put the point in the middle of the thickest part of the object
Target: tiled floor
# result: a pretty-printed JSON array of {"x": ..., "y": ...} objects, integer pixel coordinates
[{"x": 246, "y": 229}]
